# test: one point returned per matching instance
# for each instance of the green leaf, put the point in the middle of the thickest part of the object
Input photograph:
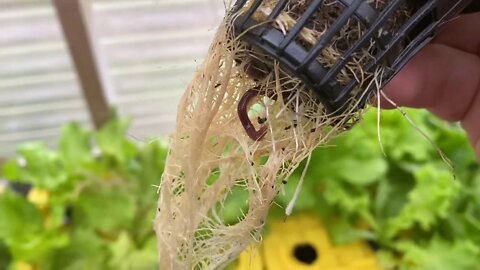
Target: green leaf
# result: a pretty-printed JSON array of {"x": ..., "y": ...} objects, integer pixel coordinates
[
  {"x": 11, "y": 169},
  {"x": 362, "y": 172},
  {"x": 144, "y": 259},
  {"x": 42, "y": 167},
  {"x": 344, "y": 231},
  {"x": 19, "y": 219},
  {"x": 440, "y": 254},
  {"x": 38, "y": 247},
  {"x": 350, "y": 201},
  {"x": 120, "y": 249},
  {"x": 105, "y": 208},
  {"x": 430, "y": 200},
  {"x": 401, "y": 141},
  {"x": 85, "y": 251},
  {"x": 235, "y": 205},
  {"x": 21, "y": 228},
  {"x": 5, "y": 256},
  {"x": 146, "y": 175},
  {"x": 56, "y": 214},
  {"x": 74, "y": 148},
  {"x": 148, "y": 172},
  {"x": 308, "y": 195},
  {"x": 112, "y": 140},
  {"x": 126, "y": 256},
  {"x": 152, "y": 161},
  {"x": 391, "y": 194},
  {"x": 453, "y": 141},
  {"x": 355, "y": 157}
]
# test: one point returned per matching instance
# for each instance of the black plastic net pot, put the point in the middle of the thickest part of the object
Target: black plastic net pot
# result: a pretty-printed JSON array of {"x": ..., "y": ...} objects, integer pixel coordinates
[{"x": 390, "y": 32}]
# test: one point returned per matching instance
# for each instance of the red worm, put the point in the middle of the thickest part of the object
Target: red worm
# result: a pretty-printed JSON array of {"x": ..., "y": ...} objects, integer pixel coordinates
[{"x": 242, "y": 111}]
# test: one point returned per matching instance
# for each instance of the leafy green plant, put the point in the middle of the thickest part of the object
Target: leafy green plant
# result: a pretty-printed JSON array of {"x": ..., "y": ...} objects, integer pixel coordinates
[
  {"x": 92, "y": 200},
  {"x": 421, "y": 214},
  {"x": 90, "y": 203}
]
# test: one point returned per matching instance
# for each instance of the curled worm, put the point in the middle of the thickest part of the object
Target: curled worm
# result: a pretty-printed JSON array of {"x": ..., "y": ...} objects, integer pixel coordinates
[{"x": 242, "y": 111}]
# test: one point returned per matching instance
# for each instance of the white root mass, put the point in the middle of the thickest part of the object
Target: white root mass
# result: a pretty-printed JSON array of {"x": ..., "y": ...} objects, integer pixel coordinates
[{"x": 211, "y": 153}]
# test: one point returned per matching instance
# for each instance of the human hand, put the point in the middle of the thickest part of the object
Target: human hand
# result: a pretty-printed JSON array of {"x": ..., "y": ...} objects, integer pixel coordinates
[{"x": 444, "y": 77}]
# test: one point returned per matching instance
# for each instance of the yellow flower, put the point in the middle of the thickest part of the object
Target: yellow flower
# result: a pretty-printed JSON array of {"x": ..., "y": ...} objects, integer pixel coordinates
[
  {"x": 250, "y": 259},
  {"x": 301, "y": 243},
  {"x": 39, "y": 197},
  {"x": 23, "y": 266}
]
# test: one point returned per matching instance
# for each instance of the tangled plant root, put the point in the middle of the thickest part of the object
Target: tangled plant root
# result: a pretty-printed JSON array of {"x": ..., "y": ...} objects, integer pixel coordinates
[{"x": 245, "y": 124}]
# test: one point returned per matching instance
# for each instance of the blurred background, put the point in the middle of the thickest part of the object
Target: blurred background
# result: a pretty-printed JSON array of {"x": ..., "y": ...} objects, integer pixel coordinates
[
  {"x": 148, "y": 50},
  {"x": 71, "y": 192}
]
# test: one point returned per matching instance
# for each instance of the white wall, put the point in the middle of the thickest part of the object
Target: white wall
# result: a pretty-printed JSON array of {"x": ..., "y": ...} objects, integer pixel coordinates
[{"x": 151, "y": 46}]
